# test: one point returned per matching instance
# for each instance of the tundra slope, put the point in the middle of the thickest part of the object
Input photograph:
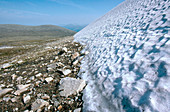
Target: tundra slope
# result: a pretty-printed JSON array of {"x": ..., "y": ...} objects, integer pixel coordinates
[{"x": 127, "y": 67}]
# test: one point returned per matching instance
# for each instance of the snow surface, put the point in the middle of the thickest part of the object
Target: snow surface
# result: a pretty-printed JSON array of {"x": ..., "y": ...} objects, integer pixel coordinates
[{"x": 128, "y": 68}]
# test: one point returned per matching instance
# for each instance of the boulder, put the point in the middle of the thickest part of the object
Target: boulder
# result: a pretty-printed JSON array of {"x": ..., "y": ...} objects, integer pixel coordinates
[{"x": 71, "y": 86}]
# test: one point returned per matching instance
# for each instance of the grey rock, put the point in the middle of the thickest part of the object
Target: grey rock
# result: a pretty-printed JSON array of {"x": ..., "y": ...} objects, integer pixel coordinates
[
  {"x": 77, "y": 110},
  {"x": 39, "y": 104},
  {"x": 22, "y": 88},
  {"x": 71, "y": 86},
  {"x": 5, "y": 91}
]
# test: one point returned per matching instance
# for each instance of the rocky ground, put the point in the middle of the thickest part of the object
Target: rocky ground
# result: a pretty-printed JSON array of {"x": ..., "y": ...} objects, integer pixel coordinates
[{"x": 44, "y": 80}]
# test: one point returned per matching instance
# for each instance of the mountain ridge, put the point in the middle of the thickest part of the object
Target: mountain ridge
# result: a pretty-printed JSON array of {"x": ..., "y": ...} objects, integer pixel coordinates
[{"x": 10, "y": 30}]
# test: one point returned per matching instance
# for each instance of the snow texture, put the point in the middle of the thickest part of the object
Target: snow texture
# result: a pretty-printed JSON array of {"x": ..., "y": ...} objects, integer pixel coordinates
[{"x": 128, "y": 68}]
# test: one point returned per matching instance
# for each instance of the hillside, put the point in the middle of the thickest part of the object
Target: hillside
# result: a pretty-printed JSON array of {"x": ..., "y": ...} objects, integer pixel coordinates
[{"x": 12, "y": 30}]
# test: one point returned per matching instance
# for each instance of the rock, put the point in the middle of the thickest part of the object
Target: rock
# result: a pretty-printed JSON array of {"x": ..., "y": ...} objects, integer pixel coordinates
[
  {"x": 60, "y": 64},
  {"x": 60, "y": 107},
  {"x": 13, "y": 76},
  {"x": 86, "y": 52},
  {"x": 37, "y": 83},
  {"x": 26, "y": 99},
  {"x": 32, "y": 78},
  {"x": 65, "y": 49},
  {"x": 19, "y": 79},
  {"x": 45, "y": 97},
  {"x": 77, "y": 110},
  {"x": 75, "y": 55},
  {"x": 22, "y": 88},
  {"x": 75, "y": 62},
  {"x": 24, "y": 72},
  {"x": 21, "y": 61},
  {"x": 56, "y": 57},
  {"x": 6, "y": 99},
  {"x": 6, "y": 65},
  {"x": 56, "y": 103},
  {"x": 48, "y": 79},
  {"x": 71, "y": 86},
  {"x": 39, "y": 104},
  {"x": 15, "y": 99},
  {"x": 26, "y": 111},
  {"x": 1, "y": 86},
  {"x": 39, "y": 75},
  {"x": 51, "y": 66},
  {"x": 66, "y": 72},
  {"x": 5, "y": 91}
]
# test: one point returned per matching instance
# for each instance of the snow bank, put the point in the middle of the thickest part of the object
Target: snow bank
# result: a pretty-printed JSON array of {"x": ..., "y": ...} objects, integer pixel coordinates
[{"x": 128, "y": 67}]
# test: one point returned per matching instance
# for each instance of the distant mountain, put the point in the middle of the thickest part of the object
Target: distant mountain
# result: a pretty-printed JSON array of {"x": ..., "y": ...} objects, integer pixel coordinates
[
  {"x": 73, "y": 27},
  {"x": 12, "y": 30}
]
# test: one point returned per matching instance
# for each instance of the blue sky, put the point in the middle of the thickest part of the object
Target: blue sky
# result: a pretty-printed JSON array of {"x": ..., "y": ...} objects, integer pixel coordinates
[{"x": 56, "y": 12}]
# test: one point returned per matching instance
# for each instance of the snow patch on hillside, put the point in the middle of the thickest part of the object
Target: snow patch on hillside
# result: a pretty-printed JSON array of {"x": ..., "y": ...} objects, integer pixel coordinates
[{"x": 127, "y": 68}]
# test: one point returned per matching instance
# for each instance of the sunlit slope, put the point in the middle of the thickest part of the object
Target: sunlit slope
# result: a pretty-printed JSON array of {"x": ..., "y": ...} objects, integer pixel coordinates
[{"x": 12, "y": 30}]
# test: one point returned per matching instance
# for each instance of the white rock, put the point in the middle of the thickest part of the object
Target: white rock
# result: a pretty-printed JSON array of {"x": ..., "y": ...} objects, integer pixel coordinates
[
  {"x": 77, "y": 110},
  {"x": 75, "y": 55},
  {"x": 26, "y": 98},
  {"x": 49, "y": 79},
  {"x": 13, "y": 76},
  {"x": 6, "y": 65},
  {"x": 86, "y": 52},
  {"x": 21, "y": 61},
  {"x": 75, "y": 62},
  {"x": 66, "y": 72},
  {"x": 71, "y": 86},
  {"x": 39, "y": 75},
  {"x": 5, "y": 91},
  {"x": 65, "y": 49},
  {"x": 22, "y": 88},
  {"x": 45, "y": 97},
  {"x": 26, "y": 111},
  {"x": 19, "y": 79},
  {"x": 39, "y": 104}
]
